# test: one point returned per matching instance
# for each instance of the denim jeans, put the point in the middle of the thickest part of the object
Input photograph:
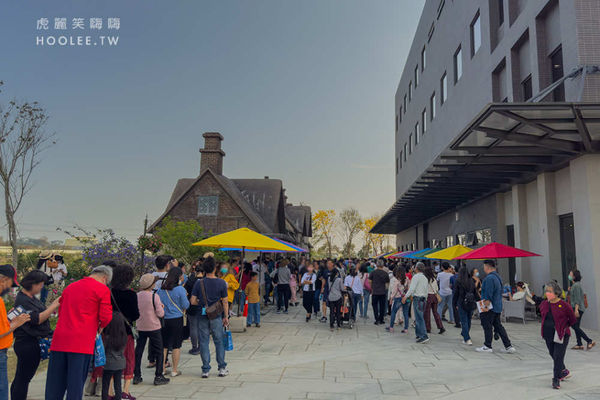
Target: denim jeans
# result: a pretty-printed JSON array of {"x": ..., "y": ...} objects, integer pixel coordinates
[
  {"x": 447, "y": 300},
  {"x": 465, "y": 322},
  {"x": 419, "y": 307},
  {"x": 317, "y": 301},
  {"x": 3, "y": 375},
  {"x": 215, "y": 328},
  {"x": 396, "y": 307},
  {"x": 363, "y": 304},
  {"x": 253, "y": 313},
  {"x": 355, "y": 300},
  {"x": 44, "y": 294},
  {"x": 194, "y": 324}
]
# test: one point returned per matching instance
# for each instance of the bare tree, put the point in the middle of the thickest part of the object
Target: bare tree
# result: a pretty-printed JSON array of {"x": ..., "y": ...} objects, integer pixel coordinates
[
  {"x": 350, "y": 224},
  {"x": 22, "y": 139}
]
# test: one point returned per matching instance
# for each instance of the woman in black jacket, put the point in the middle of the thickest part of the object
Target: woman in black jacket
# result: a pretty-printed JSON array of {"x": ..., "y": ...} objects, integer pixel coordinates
[
  {"x": 27, "y": 337},
  {"x": 464, "y": 298}
]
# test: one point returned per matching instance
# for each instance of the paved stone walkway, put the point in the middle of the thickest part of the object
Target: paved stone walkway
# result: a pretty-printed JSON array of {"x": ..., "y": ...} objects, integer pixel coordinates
[{"x": 289, "y": 359}]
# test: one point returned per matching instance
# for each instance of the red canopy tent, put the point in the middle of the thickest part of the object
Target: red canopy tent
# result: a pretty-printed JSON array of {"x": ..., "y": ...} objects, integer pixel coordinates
[{"x": 496, "y": 250}]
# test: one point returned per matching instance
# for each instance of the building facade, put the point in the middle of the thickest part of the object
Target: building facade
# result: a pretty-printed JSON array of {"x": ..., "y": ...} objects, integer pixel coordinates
[
  {"x": 221, "y": 204},
  {"x": 498, "y": 136}
]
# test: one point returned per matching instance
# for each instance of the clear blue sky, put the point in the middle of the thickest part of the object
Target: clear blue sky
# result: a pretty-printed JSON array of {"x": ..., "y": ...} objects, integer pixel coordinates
[{"x": 301, "y": 90}]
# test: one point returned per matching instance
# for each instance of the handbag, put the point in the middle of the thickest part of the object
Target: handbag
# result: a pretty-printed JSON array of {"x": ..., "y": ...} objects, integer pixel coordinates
[
  {"x": 161, "y": 319},
  {"x": 45, "y": 348},
  {"x": 180, "y": 310},
  {"x": 134, "y": 331},
  {"x": 99, "y": 354},
  {"x": 437, "y": 295},
  {"x": 213, "y": 311}
]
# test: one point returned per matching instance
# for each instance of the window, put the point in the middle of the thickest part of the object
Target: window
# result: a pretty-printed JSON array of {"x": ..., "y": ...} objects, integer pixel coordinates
[
  {"x": 450, "y": 241},
  {"x": 416, "y": 133},
  {"x": 400, "y": 159},
  {"x": 458, "y": 64},
  {"x": 440, "y": 8},
  {"x": 410, "y": 91},
  {"x": 432, "y": 106},
  {"x": 396, "y": 123},
  {"x": 475, "y": 34},
  {"x": 462, "y": 239},
  {"x": 397, "y": 165},
  {"x": 416, "y": 76},
  {"x": 410, "y": 145},
  {"x": 556, "y": 62},
  {"x": 208, "y": 205},
  {"x": 444, "y": 88},
  {"x": 404, "y": 104},
  {"x": 431, "y": 30},
  {"x": 526, "y": 88},
  {"x": 423, "y": 58},
  {"x": 484, "y": 236},
  {"x": 500, "y": 12},
  {"x": 405, "y": 151},
  {"x": 400, "y": 117},
  {"x": 424, "y": 121}
]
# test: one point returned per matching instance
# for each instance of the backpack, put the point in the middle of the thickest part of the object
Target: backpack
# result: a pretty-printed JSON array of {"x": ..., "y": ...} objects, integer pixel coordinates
[{"x": 469, "y": 303}]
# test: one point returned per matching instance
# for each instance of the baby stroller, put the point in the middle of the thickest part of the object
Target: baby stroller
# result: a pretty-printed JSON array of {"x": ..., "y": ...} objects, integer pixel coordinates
[{"x": 347, "y": 309}]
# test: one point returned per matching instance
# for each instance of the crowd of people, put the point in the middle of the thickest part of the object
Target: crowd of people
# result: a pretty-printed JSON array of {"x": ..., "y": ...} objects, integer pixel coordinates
[{"x": 176, "y": 302}]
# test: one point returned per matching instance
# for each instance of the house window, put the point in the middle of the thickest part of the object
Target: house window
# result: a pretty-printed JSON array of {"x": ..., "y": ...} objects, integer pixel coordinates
[
  {"x": 458, "y": 64},
  {"x": 432, "y": 106},
  {"x": 475, "y": 34},
  {"x": 450, "y": 241},
  {"x": 424, "y": 121},
  {"x": 208, "y": 205},
  {"x": 400, "y": 117},
  {"x": 431, "y": 30},
  {"x": 405, "y": 151},
  {"x": 500, "y": 12},
  {"x": 404, "y": 104},
  {"x": 444, "y": 88},
  {"x": 396, "y": 123},
  {"x": 410, "y": 91},
  {"x": 556, "y": 61},
  {"x": 423, "y": 58},
  {"x": 416, "y": 76},
  {"x": 400, "y": 159},
  {"x": 417, "y": 134},
  {"x": 410, "y": 146},
  {"x": 526, "y": 88},
  {"x": 397, "y": 165}
]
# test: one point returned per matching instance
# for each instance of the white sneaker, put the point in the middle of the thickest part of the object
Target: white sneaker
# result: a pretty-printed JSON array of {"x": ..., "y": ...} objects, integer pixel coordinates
[
  {"x": 484, "y": 349},
  {"x": 509, "y": 350},
  {"x": 205, "y": 374},
  {"x": 223, "y": 372},
  {"x": 468, "y": 342}
]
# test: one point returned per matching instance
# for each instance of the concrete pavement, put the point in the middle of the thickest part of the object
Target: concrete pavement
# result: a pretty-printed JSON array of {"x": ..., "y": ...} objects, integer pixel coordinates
[{"x": 288, "y": 358}]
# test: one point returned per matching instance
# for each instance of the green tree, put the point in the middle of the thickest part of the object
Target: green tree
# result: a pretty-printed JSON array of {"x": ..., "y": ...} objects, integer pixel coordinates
[{"x": 177, "y": 238}]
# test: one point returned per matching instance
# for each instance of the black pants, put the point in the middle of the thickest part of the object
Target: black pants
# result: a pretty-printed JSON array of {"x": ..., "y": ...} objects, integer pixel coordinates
[
  {"x": 335, "y": 313},
  {"x": 579, "y": 333},
  {"x": 308, "y": 301},
  {"x": 28, "y": 360},
  {"x": 379, "y": 306},
  {"x": 490, "y": 321},
  {"x": 557, "y": 352},
  {"x": 117, "y": 376},
  {"x": 155, "y": 347},
  {"x": 283, "y": 296}
]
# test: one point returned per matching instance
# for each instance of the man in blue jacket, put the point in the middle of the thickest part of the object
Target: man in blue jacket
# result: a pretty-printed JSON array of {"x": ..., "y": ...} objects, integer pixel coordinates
[{"x": 491, "y": 294}]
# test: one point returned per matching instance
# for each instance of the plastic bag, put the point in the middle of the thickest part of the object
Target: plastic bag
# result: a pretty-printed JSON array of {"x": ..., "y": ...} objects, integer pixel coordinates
[
  {"x": 44, "y": 348},
  {"x": 228, "y": 340},
  {"x": 99, "y": 355}
]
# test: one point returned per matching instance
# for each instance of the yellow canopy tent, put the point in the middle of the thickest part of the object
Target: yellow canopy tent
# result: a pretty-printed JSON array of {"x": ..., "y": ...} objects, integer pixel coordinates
[{"x": 450, "y": 253}]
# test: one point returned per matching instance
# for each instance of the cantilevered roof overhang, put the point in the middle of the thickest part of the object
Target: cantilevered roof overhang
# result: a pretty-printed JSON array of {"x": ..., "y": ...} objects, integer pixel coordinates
[{"x": 506, "y": 144}]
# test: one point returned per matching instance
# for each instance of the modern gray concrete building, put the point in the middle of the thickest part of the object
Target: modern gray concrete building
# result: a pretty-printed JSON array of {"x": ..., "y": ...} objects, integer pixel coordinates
[{"x": 498, "y": 136}]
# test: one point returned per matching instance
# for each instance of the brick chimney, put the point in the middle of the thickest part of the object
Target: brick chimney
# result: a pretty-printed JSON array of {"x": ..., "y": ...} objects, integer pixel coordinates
[{"x": 211, "y": 156}]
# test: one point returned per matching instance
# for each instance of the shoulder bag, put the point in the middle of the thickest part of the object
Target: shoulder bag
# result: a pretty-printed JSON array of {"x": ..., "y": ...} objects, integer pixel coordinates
[
  {"x": 437, "y": 295},
  {"x": 213, "y": 311},
  {"x": 134, "y": 331}
]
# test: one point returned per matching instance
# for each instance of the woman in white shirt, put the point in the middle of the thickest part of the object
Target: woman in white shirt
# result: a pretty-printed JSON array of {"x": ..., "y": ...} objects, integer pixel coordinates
[
  {"x": 398, "y": 287},
  {"x": 354, "y": 282},
  {"x": 432, "y": 302},
  {"x": 363, "y": 303},
  {"x": 308, "y": 291}
]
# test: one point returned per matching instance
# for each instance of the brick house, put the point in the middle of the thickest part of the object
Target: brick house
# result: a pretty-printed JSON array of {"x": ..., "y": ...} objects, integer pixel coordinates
[{"x": 221, "y": 204}]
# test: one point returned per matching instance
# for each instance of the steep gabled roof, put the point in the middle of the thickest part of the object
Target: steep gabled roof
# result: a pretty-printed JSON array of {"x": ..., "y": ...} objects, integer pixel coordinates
[
  {"x": 301, "y": 217},
  {"x": 183, "y": 187},
  {"x": 265, "y": 197}
]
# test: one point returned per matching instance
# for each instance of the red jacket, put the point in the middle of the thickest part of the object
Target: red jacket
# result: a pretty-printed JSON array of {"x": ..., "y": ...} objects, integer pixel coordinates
[
  {"x": 84, "y": 307},
  {"x": 562, "y": 314}
]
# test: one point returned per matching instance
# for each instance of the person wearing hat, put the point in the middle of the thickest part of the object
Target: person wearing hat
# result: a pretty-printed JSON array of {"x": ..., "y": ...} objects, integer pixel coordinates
[
  {"x": 8, "y": 280},
  {"x": 47, "y": 264},
  {"x": 149, "y": 328}
]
